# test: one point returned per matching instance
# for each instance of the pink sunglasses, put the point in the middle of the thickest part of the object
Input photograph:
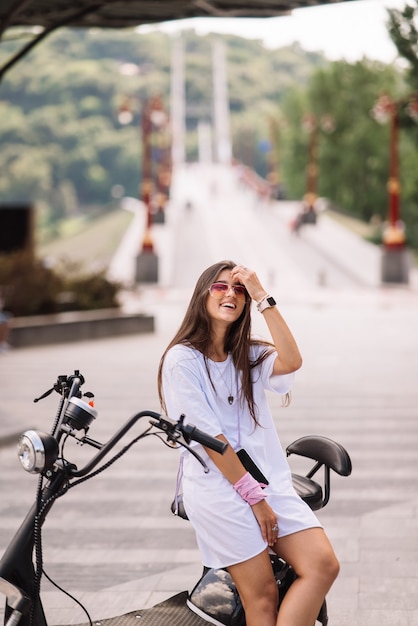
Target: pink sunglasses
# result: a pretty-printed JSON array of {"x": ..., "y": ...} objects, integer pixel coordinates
[{"x": 219, "y": 290}]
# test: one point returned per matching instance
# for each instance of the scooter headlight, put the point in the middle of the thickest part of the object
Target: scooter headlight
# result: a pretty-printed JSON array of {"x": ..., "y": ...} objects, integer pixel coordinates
[{"x": 37, "y": 451}]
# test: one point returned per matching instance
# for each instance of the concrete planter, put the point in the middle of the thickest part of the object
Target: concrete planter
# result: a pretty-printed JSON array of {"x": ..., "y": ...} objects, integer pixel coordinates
[{"x": 76, "y": 326}]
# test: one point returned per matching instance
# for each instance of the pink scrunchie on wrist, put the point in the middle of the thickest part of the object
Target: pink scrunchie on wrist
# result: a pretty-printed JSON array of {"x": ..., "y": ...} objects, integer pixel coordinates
[{"x": 249, "y": 489}]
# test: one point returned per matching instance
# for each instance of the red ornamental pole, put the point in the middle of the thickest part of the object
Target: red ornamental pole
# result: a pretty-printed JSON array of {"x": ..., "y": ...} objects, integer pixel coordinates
[
  {"x": 395, "y": 257},
  {"x": 393, "y": 182},
  {"x": 312, "y": 170},
  {"x": 310, "y": 125},
  {"x": 394, "y": 234},
  {"x": 146, "y": 183}
]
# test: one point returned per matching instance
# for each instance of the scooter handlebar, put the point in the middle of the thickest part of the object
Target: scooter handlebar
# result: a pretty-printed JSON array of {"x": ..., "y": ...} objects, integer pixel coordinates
[
  {"x": 191, "y": 432},
  {"x": 188, "y": 431}
]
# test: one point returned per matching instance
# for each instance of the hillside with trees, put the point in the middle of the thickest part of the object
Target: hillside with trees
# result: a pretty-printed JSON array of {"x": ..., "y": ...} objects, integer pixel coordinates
[
  {"x": 63, "y": 148},
  {"x": 61, "y": 140}
]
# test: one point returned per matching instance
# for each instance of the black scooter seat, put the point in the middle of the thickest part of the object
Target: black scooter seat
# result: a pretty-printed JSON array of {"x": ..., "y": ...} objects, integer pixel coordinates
[{"x": 309, "y": 491}]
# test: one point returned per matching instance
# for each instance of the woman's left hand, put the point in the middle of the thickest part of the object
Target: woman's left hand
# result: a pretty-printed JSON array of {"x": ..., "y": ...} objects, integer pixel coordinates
[
  {"x": 267, "y": 521},
  {"x": 288, "y": 357},
  {"x": 250, "y": 281}
]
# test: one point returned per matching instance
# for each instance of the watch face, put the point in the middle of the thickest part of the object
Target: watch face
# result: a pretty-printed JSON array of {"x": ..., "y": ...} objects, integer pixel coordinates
[{"x": 271, "y": 301}]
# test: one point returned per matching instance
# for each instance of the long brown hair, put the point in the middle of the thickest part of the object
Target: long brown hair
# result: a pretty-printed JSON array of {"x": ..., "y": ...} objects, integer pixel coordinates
[{"x": 195, "y": 330}]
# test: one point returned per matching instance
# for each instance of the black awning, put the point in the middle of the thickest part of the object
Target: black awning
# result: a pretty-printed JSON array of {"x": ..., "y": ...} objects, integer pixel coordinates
[{"x": 124, "y": 13}]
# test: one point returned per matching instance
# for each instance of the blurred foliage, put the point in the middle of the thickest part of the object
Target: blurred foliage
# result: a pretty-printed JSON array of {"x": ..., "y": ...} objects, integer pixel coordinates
[
  {"x": 353, "y": 159},
  {"x": 403, "y": 30},
  {"x": 29, "y": 287},
  {"x": 59, "y": 106},
  {"x": 63, "y": 147},
  {"x": 93, "y": 291}
]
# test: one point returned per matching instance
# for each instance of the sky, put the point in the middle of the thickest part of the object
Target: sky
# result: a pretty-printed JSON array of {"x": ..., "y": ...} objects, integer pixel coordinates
[{"x": 343, "y": 30}]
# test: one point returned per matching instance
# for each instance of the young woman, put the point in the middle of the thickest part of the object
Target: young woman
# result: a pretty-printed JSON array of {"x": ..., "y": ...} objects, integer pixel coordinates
[{"x": 216, "y": 373}]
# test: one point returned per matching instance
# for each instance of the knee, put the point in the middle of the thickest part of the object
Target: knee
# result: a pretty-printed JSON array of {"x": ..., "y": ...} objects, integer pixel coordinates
[
  {"x": 263, "y": 601},
  {"x": 323, "y": 569},
  {"x": 271, "y": 592},
  {"x": 269, "y": 595},
  {"x": 267, "y": 602},
  {"x": 328, "y": 567}
]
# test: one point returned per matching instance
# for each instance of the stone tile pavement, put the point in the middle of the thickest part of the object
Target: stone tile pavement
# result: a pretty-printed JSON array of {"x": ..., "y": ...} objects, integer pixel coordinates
[{"x": 115, "y": 545}]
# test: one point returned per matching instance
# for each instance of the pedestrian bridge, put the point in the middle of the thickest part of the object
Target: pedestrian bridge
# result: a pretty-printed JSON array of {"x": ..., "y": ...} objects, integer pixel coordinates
[{"x": 213, "y": 214}]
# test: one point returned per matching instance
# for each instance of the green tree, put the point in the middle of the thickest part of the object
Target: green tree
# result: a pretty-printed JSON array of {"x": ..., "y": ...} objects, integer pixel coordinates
[
  {"x": 402, "y": 28},
  {"x": 59, "y": 116},
  {"x": 354, "y": 158}
]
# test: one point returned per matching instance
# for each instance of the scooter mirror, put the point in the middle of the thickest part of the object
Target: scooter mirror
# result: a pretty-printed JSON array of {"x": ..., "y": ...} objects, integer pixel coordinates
[{"x": 37, "y": 451}]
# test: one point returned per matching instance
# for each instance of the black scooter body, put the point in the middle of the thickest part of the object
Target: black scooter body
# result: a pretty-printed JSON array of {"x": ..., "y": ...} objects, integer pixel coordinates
[{"x": 210, "y": 601}]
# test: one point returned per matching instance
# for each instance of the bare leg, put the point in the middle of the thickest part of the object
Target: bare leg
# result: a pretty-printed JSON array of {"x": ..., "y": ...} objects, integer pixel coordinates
[
  {"x": 310, "y": 554},
  {"x": 257, "y": 588}
]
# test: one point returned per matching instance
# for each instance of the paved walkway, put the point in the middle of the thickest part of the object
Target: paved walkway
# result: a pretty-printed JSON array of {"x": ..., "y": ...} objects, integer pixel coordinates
[{"x": 114, "y": 544}]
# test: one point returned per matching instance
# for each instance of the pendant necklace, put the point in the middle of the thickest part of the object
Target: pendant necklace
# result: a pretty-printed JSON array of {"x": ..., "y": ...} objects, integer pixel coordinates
[{"x": 229, "y": 387}]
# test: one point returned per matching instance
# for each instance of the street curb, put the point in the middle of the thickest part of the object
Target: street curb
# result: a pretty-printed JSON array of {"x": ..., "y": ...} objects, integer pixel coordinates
[{"x": 76, "y": 326}]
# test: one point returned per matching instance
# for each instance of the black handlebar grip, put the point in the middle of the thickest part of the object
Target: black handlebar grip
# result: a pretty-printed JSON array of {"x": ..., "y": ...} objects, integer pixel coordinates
[{"x": 206, "y": 440}]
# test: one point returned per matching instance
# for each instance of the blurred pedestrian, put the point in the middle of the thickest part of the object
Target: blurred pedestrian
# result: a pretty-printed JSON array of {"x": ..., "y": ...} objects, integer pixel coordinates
[{"x": 4, "y": 327}]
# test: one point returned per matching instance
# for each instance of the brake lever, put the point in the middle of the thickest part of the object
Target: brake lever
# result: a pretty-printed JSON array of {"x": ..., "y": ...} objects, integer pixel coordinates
[
  {"x": 172, "y": 431},
  {"x": 59, "y": 386},
  {"x": 196, "y": 455},
  {"x": 45, "y": 395}
]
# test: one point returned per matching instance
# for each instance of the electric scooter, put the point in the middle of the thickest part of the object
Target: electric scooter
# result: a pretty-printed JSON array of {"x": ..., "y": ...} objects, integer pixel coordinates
[{"x": 21, "y": 567}]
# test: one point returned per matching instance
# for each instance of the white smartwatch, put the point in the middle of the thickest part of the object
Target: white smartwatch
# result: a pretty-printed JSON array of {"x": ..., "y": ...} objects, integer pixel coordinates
[{"x": 266, "y": 303}]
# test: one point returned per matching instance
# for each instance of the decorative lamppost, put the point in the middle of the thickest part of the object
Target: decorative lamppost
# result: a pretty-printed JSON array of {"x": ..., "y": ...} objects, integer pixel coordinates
[
  {"x": 312, "y": 125},
  {"x": 161, "y": 157},
  {"x": 273, "y": 175},
  {"x": 153, "y": 121},
  {"x": 395, "y": 257}
]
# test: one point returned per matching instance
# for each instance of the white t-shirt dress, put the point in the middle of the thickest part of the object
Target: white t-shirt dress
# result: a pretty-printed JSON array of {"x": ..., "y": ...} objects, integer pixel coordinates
[{"x": 227, "y": 531}]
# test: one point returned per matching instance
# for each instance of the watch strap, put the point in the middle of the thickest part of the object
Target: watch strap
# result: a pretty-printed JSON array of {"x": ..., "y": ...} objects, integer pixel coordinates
[{"x": 266, "y": 303}]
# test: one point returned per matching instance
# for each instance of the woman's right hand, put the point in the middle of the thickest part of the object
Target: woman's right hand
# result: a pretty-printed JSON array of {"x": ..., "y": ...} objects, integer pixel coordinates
[{"x": 267, "y": 521}]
